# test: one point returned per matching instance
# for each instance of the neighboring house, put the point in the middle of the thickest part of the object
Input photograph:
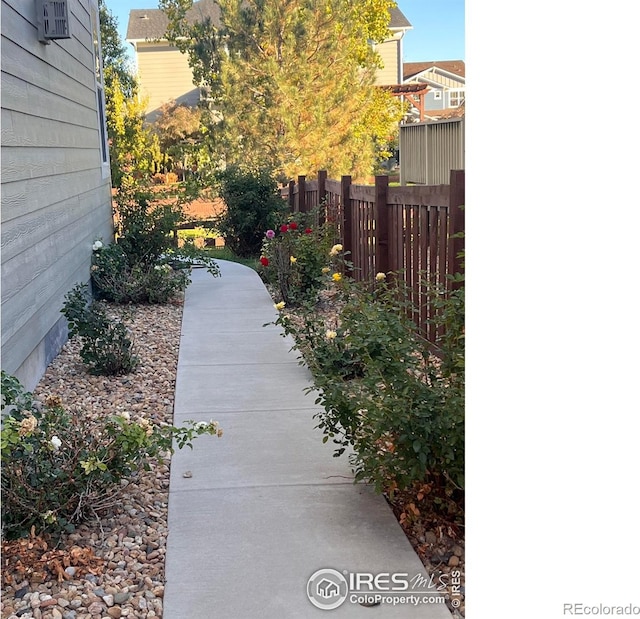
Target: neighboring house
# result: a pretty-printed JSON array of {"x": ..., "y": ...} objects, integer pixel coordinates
[
  {"x": 444, "y": 82},
  {"x": 164, "y": 73},
  {"x": 56, "y": 187},
  {"x": 391, "y": 50}
]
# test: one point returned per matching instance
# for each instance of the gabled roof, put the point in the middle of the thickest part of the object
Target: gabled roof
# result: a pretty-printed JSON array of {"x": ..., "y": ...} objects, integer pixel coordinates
[
  {"x": 152, "y": 23},
  {"x": 409, "y": 69},
  {"x": 398, "y": 20}
]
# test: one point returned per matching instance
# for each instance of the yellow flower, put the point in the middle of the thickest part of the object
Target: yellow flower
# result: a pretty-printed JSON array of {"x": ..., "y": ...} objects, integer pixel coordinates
[
  {"x": 279, "y": 306},
  {"x": 28, "y": 425},
  {"x": 325, "y": 270},
  {"x": 335, "y": 250},
  {"x": 145, "y": 424},
  {"x": 330, "y": 335},
  {"x": 381, "y": 277},
  {"x": 292, "y": 259},
  {"x": 336, "y": 277}
]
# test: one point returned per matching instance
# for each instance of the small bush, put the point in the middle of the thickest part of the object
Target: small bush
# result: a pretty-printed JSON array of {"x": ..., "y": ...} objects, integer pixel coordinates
[
  {"x": 294, "y": 255},
  {"x": 107, "y": 345},
  {"x": 253, "y": 205},
  {"x": 60, "y": 467},
  {"x": 114, "y": 279}
]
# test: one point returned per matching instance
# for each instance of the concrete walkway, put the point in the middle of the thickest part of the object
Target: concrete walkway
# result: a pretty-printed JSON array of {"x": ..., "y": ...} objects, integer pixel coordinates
[{"x": 254, "y": 514}]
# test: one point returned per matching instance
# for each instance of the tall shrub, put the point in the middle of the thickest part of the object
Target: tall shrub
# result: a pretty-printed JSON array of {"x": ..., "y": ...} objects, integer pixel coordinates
[{"x": 253, "y": 205}]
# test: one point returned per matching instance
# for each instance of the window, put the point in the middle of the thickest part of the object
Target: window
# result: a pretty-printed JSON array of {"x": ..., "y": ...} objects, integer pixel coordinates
[
  {"x": 456, "y": 97},
  {"x": 100, "y": 100},
  {"x": 437, "y": 95}
]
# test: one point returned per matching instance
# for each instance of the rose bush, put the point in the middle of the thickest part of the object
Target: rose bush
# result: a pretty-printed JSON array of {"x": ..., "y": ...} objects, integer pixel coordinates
[
  {"x": 399, "y": 408},
  {"x": 293, "y": 258},
  {"x": 59, "y": 467}
]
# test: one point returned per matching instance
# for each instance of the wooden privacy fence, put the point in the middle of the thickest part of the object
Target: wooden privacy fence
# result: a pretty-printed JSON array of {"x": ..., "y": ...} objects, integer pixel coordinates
[{"x": 413, "y": 230}]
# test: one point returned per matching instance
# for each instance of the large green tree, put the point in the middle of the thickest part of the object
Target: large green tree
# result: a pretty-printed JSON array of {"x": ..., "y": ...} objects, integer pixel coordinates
[
  {"x": 132, "y": 146},
  {"x": 293, "y": 81}
]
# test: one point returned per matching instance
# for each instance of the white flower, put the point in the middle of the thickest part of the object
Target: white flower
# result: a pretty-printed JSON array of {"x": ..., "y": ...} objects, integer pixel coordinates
[
  {"x": 381, "y": 277},
  {"x": 56, "y": 442},
  {"x": 146, "y": 425},
  {"x": 97, "y": 245},
  {"x": 126, "y": 416},
  {"x": 201, "y": 425},
  {"x": 331, "y": 335}
]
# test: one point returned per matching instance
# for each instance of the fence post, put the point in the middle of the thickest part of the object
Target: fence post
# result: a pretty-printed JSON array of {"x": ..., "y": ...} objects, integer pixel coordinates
[
  {"x": 347, "y": 220},
  {"x": 381, "y": 213},
  {"x": 322, "y": 194},
  {"x": 456, "y": 222},
  {"x": 302, "y": 195},
  {"x": 292, "y": 199}
]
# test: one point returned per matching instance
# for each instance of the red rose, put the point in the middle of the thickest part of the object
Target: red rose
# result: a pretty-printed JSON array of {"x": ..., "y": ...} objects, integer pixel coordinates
[
  {"x": 308, "y": 231},
  {"x": 264, "y": 261},
  {"x": 293, "y": 225},
  {"x": 284, "y": 228}
]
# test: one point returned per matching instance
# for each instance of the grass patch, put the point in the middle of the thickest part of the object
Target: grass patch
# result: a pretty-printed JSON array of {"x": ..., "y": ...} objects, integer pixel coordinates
[
  {"x": 224, "y": 253},
  {"x": 198, "y": 233}
]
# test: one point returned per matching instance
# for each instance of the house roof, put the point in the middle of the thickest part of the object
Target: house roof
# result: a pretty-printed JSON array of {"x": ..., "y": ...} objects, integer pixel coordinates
[
  {"x": 452, "y": 112},
  {"x": 409, "y": 69},
  {"x": 398, "y": 20},
  {"x": 152, "y": 23}
]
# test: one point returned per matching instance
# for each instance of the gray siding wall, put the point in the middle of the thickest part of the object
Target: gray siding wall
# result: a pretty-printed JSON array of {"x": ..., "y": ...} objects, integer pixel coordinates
[
  {"x": 56, "y": 197},
  {"x": 430, "y": 102}
]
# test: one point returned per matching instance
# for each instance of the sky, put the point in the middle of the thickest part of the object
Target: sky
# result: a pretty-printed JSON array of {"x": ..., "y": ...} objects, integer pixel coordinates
[{"x": 438, "y": 26}]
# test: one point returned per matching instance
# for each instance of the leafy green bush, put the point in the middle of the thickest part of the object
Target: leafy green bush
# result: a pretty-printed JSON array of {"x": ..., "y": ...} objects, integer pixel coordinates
[
  {"x": 400, "y": 408},
  {"x": 145, "y": 221},
  {"x": 115, "y": 279},
  {"x": 253, "y": 205},
  {"x": 138, "y": 267},
  {"x": 294, "y": 255},
  {"x": 60, "y": 467},
  {"x": 107, "y": 345}
]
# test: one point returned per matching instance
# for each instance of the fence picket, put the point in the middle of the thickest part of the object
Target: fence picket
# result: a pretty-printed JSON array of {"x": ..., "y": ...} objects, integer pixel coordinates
[{"x": 413, "y": 230}]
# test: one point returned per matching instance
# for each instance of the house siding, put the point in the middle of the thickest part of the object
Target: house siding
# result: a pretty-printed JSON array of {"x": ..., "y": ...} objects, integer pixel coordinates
[
  {"x": 431, "y": 103},
  {"x": 164, "y": 75},
  {"x": 448, "y": 82},
  {"x": 389, "y": 52},
  {"x": 56, "y": 197}
]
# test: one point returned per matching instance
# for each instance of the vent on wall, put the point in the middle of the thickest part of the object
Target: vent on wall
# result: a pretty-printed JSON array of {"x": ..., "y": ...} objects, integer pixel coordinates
[{"x": 53, "y": 20}]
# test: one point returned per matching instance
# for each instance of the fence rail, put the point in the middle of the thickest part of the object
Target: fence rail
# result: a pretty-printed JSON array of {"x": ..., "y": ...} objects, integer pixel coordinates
[{"x": 412, "y": 230}]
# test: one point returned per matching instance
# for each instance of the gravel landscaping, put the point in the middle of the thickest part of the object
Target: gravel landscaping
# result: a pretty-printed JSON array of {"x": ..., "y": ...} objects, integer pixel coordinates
[
  {"x": 126, "y": 576},
  {"x": 114, "y": 567}
]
